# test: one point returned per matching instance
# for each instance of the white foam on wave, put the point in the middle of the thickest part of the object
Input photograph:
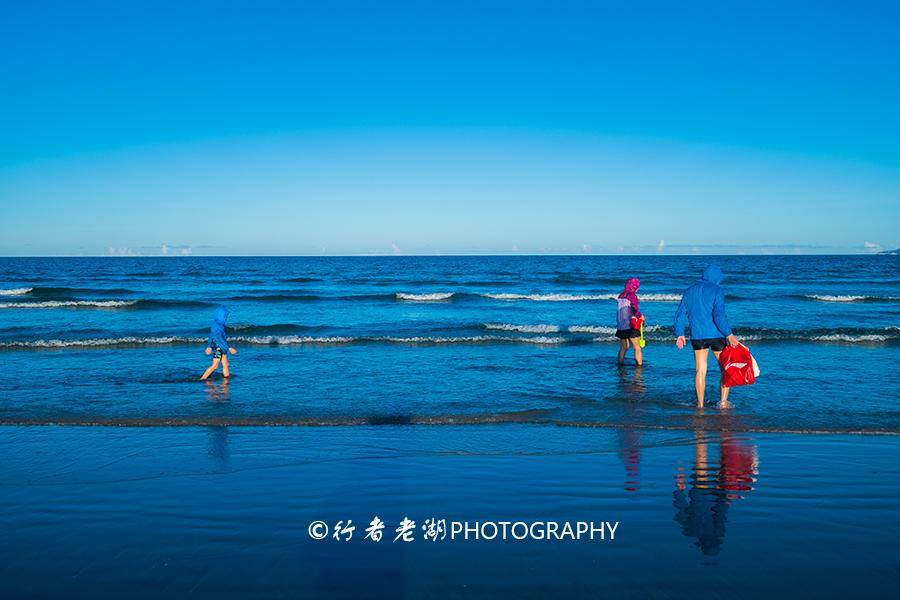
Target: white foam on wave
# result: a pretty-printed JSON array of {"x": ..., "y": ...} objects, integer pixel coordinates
[
  {"x": 16, "y": 291},
  {"x": 102, "y": 342},
  {"x": 595, "y": 329},
  {"x": 830, "y": 298},
  {"x": 550, "y": 297},
  {"x": 580, "y": 297},
  {"x": 543, "y": 340},
  {"x": 70, "y": 304},
  {"x": 433, "y": 297},
  {"x": 523, "y": 328},
  {"x": 659, "y": 297},
  {"x": 290, "y": 340},
  {"x": 849, "y": 339}
]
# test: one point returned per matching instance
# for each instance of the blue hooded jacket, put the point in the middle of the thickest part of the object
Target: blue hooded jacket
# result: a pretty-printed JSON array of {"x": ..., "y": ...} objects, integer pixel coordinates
[
  {"x": 217, "y": 329},
  {"x": 703, "y": 304}
]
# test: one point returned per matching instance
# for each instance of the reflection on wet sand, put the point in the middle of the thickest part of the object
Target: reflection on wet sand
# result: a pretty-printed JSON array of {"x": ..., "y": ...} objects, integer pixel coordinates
[
  {"x": 217, "y": 391},
  {"x": 703, "y": 498},
  {"x": 631, "y": 383},
  {"x": 218, "y": 444},
  {"x": 725, "y": 465}
]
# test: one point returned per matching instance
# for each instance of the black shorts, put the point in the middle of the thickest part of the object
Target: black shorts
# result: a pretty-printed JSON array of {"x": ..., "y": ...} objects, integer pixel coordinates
[
  {"x": 217, "y": 352},
  {"x": 714, "y": 344},
  {"x": 627, "y": 334}
]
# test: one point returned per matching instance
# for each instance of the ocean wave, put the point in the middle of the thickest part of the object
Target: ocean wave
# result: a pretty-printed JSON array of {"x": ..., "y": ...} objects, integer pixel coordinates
[
  {"x": 65, "y": 292},
  {"x": 278, "y": 335},
  {"x": 849, "y": 298},
  {"x": 71, "y": 304},
  {"x": 595, "y": 329},
  {"x": 433, "y": 297},
  {"x": 578, "y": 297},
  {"x": 591, "y": 329},
  {"x": 132, "y": 341},
  {"x": 16, "y": 291},
  {"x": 549, "y": 297},
  {"x": 523, "y": 328},
  {"x": 839, "y": 338},
  {"x": 272, "y": 329},
  {"x": 279, "y": 340},
  {"x": 660, "y": 297},
  {"x": 104, "y": 304}
]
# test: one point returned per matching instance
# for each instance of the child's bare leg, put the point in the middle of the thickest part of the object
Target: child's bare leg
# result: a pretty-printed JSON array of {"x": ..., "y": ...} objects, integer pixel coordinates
[
  {"x": 211, "y": 369},
  {"x": 225, "y": 372},
  {"x": 638, "y": 353},
  {"x": 623, "y": 348},
  {"x": 700, "y": 358}
]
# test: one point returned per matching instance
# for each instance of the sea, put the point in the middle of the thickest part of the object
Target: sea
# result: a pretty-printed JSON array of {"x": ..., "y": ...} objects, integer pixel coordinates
[
  {"x": 423, "y": 393},
  {"x": 440, "y": 340}
]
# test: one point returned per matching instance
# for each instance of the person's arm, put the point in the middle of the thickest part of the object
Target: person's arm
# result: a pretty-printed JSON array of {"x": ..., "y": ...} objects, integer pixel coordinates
[
  {"x": 225, "y": 345},
  {"x": 680, "y": 322},
  {"x": 721, "y": 319}
]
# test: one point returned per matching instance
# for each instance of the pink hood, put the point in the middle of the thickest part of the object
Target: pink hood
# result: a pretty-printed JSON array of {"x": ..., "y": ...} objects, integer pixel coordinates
[{"x": 631, "y": 286}]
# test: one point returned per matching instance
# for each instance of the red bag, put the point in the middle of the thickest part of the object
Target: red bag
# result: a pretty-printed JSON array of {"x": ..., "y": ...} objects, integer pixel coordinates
[{"x": 738, "y": 366}]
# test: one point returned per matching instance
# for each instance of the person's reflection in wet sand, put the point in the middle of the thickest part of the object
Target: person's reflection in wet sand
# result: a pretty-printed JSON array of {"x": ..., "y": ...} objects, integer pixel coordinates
[
  {"x": 631, "y": 382},
  {"x": 217, "y": 391},
  {"x": 218, "y": 444},
  {"x": 714, "y": 485}
]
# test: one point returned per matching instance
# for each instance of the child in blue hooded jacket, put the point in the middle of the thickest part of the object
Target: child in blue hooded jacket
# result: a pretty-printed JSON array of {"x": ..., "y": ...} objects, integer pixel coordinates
[
  {"x": 218, "y": 346},
  {"x": 703, "y": 305}
]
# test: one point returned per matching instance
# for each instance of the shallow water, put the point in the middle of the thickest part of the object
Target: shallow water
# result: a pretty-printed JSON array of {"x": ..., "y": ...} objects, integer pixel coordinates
[
  {"x": 440, "y": 340},
  {"x": 225, "y": 511}
]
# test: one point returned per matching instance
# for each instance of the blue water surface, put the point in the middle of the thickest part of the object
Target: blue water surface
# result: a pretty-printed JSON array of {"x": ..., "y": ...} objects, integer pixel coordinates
[{"x": 440, "y": 340}]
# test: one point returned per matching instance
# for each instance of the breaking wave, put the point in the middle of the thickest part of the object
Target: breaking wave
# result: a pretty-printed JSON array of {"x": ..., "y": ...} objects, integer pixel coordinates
[
  {"x": 103, "y": 342},
  {"x": 104, "y": 304},
  {"x": 849, "y": 298},
  {"x": 580, "y": 297},
  {"x": 71, "y": 304},
  {"x": 16, "y": 291},
  {"x": 433, "y": 297},
  {"x": 598, "y": 329},
  {"x": 522, "y": 328},
  {"x": 279, "y": 340},
  {"x": 69, "y": 293}
]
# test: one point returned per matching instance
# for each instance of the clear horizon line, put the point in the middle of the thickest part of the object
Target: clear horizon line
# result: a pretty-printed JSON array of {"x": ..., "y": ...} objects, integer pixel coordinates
[{"x": 448, "y": 255}]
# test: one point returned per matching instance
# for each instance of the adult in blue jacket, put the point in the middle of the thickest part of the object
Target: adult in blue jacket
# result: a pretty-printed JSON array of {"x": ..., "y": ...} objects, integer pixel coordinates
[{"x": 703, "y": 306}]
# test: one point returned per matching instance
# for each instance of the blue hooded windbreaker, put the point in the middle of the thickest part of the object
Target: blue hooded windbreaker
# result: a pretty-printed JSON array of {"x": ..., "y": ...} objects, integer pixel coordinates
[
  {"x": 703, "y": 304},
  {"x": 217, "y": 329}
]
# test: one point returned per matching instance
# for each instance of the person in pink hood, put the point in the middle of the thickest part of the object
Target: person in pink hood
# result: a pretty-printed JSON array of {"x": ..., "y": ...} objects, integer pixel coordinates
[{"x": 627, "y": 308}]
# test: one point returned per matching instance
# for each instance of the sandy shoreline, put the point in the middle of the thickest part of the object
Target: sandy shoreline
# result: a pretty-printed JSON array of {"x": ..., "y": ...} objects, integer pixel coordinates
[{"x": 212, "y": 510}]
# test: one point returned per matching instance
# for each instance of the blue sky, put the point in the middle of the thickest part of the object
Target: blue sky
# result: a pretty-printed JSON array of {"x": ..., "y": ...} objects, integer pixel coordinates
[{"x": 287, "y": 128}]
